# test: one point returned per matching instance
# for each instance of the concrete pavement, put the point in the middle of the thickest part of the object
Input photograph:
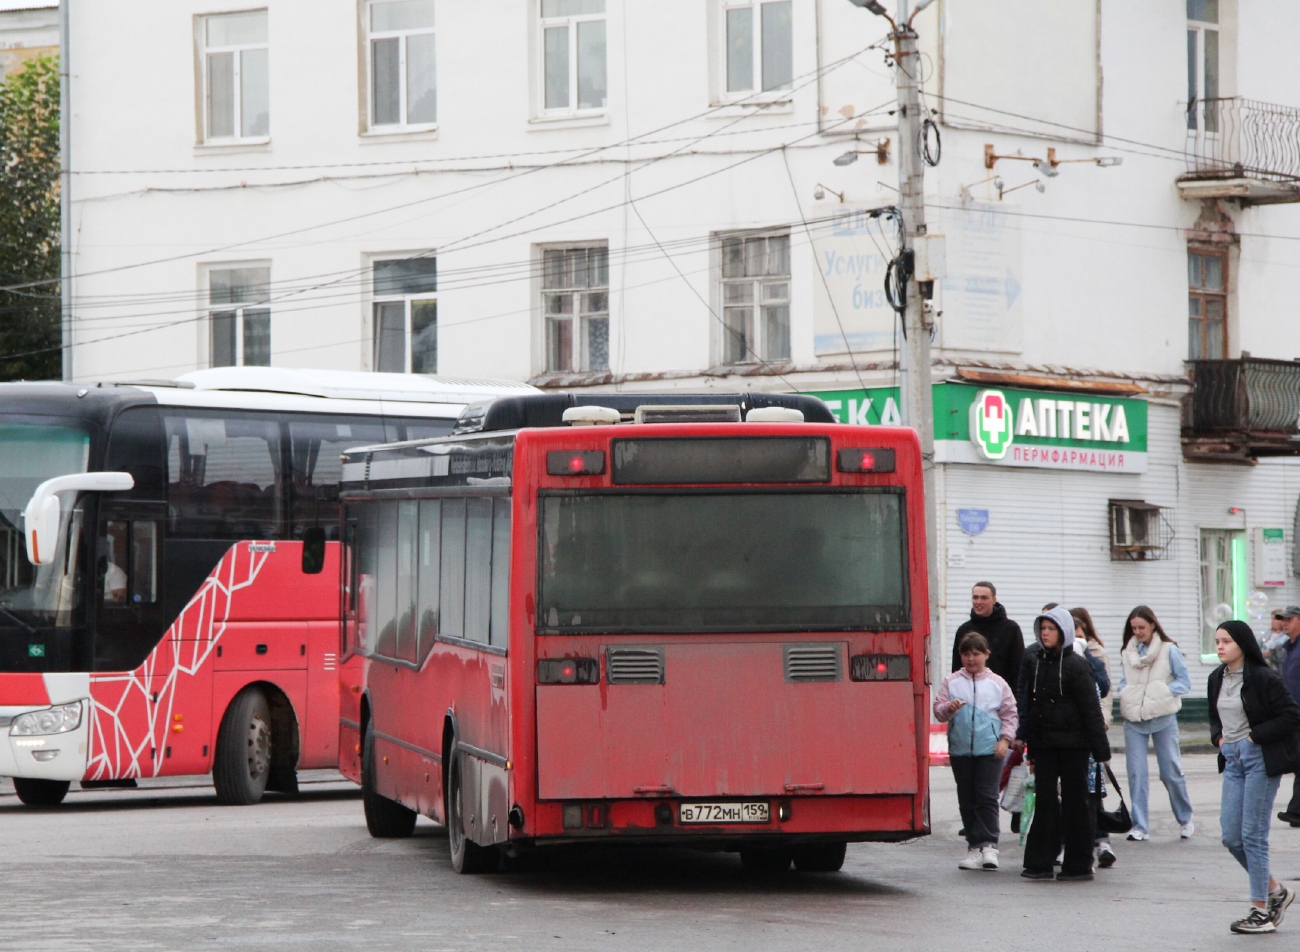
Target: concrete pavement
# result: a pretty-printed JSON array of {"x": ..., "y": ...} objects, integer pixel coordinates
[{"x": 166, "y": 868}]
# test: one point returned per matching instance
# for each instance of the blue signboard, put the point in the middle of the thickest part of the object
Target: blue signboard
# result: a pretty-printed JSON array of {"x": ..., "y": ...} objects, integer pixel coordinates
[{"x": 973, "y": 521}]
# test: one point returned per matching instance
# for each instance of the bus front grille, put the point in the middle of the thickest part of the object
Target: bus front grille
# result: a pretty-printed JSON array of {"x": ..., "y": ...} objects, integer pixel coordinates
[
  {"x": 817, "y": 662},
  {"x": 634, "y": 665}
]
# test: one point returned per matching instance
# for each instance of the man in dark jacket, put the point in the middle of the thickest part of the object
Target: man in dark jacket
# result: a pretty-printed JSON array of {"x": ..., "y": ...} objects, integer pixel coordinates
[
  {"x": 1291, "y": 675},
  {"x": 989, "y": 618}
]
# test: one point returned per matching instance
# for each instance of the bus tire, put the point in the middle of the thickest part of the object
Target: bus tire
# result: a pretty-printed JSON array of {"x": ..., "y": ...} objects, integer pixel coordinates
[
  {"x": 765, "y": 862},
  {"x": 385, "y": 818},
  {"x": 243, "y": 761},
  {"x": 820, "y": 857},
  {"x": 466, "y": 856},
  {"x": 41, "y": 793}
]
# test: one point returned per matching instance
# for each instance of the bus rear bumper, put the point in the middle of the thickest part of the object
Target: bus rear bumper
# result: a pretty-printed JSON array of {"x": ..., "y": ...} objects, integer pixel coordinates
[
  {"x": 793, "y": 821},
  {"x": 43, "y": 756}
]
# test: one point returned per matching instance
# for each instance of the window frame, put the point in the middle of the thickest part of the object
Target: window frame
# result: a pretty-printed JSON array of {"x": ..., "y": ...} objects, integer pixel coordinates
[
  {"x": 210, "y": 310},
  {"x": 1200, "y": 120},
  {"x": 572, "y": 110},
  {"x": 758, "y": 348},
  {"x": 580, "y": 346},
  {"x": 1204, "y": 296},
  {"x": 407, "y": 300},
  {"x": 205, "y": 92},
  {"x": 397, "y": 128},
  {"x": 756, "y": 94}
]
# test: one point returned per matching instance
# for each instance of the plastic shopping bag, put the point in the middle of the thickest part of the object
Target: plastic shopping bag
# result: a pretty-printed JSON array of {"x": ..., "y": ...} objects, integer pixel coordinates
[
  {"x": 1027, "y": 809},
  {"x": 1014, "y": 795}
]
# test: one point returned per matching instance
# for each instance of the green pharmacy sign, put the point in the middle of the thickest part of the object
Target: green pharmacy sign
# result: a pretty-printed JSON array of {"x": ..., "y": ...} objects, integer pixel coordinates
[{"x": 1016, "y": 427}]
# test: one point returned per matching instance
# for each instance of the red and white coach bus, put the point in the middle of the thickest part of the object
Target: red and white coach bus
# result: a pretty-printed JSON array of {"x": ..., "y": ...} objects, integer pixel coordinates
[
  {"x": 674, "y": 628},
  {"x": 155, "y": 618}
]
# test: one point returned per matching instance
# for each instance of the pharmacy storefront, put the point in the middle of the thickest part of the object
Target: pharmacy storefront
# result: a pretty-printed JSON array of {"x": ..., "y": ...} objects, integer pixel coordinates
[{"x": 1084, "y": 498}]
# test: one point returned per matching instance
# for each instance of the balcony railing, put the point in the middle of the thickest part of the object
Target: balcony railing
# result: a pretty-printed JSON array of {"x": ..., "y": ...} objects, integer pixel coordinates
[
  {"x": 1251, "y": 149},
  {"x": 1242, "y": 409}
]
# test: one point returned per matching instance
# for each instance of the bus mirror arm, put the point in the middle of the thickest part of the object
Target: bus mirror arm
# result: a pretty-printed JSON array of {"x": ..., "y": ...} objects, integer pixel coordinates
[{"x": 41, "y": 517}]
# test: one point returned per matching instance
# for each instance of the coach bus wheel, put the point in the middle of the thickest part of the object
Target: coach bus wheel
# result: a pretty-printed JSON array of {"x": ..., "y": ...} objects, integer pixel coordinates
[
  {"x": 385, "y": 818},
  {"x": 40, "y": 793},
  {"x": 466, "y": 855},
  {"x": 820, "y": 858},
  {"x": 243, "y": 761},
  {"x": 765, "y": 862}
]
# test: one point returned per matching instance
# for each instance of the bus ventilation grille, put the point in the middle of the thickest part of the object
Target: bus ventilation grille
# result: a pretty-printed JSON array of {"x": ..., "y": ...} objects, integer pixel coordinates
[
  {"x": 814, "y": 662},
  {"x": 634, "y": 665}
]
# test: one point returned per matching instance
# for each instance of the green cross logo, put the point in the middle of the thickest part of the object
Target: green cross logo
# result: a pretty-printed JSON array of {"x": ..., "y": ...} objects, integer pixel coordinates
[
  {"x": 991, "y": 424},
  {"x": 36, "y": 651}
]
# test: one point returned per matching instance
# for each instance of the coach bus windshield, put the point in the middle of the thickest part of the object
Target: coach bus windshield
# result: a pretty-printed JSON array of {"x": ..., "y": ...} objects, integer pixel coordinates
[
  {"x": 30, "y": 454},
  {"x": 723, "y": 561}
]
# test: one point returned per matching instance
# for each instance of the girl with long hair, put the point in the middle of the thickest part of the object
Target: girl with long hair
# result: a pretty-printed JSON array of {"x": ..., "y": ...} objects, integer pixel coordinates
[{"x": 1150, "y": 696}]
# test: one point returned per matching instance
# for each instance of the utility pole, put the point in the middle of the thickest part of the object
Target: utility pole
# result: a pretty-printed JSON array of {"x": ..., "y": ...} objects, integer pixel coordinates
[{"x": 919, "y": 272}]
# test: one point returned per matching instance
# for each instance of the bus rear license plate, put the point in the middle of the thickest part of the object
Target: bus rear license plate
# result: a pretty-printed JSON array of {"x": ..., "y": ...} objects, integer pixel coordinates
[{"x": 752, "y": 812}]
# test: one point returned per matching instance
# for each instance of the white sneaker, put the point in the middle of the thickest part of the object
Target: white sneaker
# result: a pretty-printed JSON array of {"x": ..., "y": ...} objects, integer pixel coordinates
[
  {"x": 1186, "y": 830},
  {"x": 989, "y": 855},
  {"x": 1139, "y": 835},
  {"x": 974, "y": 860}
]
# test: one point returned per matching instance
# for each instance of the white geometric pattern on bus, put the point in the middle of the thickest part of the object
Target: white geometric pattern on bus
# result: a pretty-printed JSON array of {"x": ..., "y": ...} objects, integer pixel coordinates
[{"x": 133, "y": 712}]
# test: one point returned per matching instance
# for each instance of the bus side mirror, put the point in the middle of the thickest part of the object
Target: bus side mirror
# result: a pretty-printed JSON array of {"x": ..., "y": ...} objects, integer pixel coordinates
[
  {"x": 41, "y": 517},
  {"x": 313, "y": 551}
]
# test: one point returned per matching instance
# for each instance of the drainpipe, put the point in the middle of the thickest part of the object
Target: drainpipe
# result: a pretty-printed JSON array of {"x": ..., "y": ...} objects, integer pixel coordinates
[{"x": 65, "y": 184}]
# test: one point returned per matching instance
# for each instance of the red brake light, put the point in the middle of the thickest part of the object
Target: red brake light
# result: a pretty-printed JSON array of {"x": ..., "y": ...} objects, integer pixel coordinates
[
  {"x": 575, "y": 462},
  {"x": 568, "y": 671},
  {"x": 880, "y": 668},
  {"x": 866, "y": 460}
]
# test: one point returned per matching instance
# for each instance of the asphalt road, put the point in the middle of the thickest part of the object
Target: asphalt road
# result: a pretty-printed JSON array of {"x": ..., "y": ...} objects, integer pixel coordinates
[{"x": 167, "y": 868}]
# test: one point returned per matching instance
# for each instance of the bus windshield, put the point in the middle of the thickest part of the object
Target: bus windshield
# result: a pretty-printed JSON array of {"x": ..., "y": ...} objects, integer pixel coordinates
[
  {"x": 31, "y": 453},
  {"x": 722, "y": 561}
]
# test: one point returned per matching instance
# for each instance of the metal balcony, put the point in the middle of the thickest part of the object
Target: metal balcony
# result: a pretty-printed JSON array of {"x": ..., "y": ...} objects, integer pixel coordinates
[
  {"x": 1244, "y": 150},
  {"x": 1239, "y": 410}
]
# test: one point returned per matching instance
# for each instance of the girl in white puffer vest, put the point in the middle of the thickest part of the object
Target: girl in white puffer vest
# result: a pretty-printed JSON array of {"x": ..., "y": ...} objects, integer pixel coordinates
[{"x": 1150, "y": 696}]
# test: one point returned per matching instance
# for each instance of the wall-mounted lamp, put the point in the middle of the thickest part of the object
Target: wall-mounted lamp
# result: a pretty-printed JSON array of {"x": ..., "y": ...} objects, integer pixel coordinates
[
  {"x": 1003, "y": 190},
  {"x": 1048, "y": 167},
  {"x": 881, "y": 152},
  {"x": 820, "y": 192}
]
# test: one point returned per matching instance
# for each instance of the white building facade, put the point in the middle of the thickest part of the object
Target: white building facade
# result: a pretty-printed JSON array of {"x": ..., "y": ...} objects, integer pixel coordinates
[{"x": 620, "y": 194}]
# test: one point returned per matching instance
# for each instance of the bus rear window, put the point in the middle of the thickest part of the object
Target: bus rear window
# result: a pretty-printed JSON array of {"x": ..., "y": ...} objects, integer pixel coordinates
[{"x": 722, "y": 562}]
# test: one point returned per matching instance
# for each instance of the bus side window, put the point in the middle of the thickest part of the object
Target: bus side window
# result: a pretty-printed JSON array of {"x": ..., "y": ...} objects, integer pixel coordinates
[
  {"x": 430, "y": 571},
  {"x": 478, "y": 569},
  {"x": 315, "y": 450},
  {"x": 115, "y": 543},
  {"x": 500, "y": 571},
  {"x": 144, "y": 562},
  {"x": 348, "y": 578},
  {"x": 408, "y": 524},
  {"x": 384, "y": 611},
  {"x": 452, "y": 589},
  {"x": 224, "y": 476},
  {"x": 367, "y": 556},
  {"x": 130, "y": 553}
]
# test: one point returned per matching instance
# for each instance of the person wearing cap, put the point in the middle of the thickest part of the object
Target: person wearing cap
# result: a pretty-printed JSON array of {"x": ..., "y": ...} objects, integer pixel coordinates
[{"x": 1290, "y": 653}]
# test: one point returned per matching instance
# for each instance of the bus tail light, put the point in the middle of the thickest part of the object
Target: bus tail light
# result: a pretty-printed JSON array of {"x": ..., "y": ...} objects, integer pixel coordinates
[
  {"x": 866, "y": 460},
  {"x": 568, "y": 671},
  {"x": 880, "y": 667},
  {"x": 575, "y": 462}
]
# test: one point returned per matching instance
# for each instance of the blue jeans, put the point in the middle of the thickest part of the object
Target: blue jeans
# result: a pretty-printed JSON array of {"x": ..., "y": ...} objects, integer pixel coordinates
[
  {"x": 1247, "y": 808},
  {"x": 1171, "y": 773}
]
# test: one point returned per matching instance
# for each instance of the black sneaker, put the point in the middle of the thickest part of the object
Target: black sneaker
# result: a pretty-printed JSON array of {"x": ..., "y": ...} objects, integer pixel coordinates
[
  {"x": 1288, "y": 817},
  {"x": 1074, "y": 877},
  {"x": 1044, "y": 874},
  {"x": 1278, "y": 902},
  {"x": 1258, "y": 921}
]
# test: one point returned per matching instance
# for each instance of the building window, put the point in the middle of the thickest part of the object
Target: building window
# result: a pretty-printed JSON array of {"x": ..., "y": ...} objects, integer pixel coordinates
[
  {"x": 759, "y": 45},
  {"x": 239, "y": 317},
  {"x": 1207, "y": 304},
  {"x": 1202, "y": 65},
  {"x": 573, "y": 55},
  {"x": 755, "y": 298},
  {"x": 406, "y": 316},
  {"x": 403, "y": 83},
  {"x": 1139, "y": 531},
  {"x": 575, "y": 301},
  {"x": 1223, "y": 581},
  {"x": 236, "y": 76}
]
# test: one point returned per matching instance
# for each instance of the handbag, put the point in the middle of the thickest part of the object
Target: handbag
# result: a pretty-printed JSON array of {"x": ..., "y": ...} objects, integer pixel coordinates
[{"x": 1114, "y": 821}]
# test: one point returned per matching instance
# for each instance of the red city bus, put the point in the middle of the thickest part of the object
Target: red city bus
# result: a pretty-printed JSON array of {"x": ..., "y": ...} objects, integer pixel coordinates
[
  {"x": 154, "y": 615},
  {"x": 674, "y": 628}
]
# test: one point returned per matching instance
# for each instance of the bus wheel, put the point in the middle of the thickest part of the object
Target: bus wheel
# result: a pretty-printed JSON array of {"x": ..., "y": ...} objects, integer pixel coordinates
[
  {"x": 243, "y": 761},
  {"x": 385, "y": 819},
  {"x": 41, "y": 793},
  {"x": 765, "y": 862},
  {"x": 466, "y": 856},
  {"x": 820, "y": 858}
]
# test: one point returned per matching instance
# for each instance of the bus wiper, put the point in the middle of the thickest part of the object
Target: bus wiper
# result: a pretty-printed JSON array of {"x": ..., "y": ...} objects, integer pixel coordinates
[{"x": 18, "y": 621}]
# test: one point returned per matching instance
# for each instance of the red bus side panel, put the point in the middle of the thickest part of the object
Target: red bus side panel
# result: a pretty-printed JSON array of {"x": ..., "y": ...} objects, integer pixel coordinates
[{"x": 726, "y": 723}]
